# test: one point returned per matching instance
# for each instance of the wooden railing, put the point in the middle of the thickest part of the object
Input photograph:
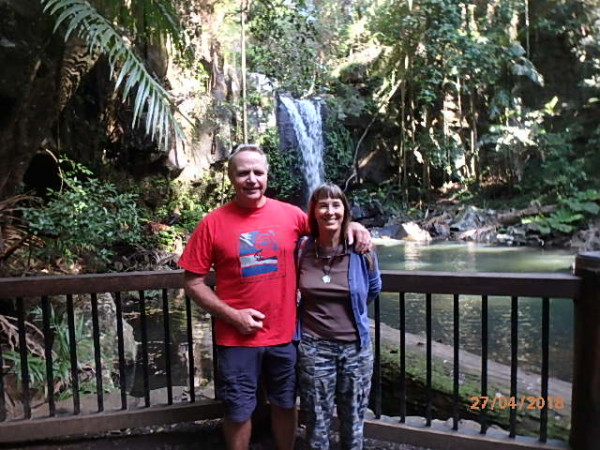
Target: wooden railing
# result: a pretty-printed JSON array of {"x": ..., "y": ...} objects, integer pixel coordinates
[{"x": 174, "y": 390}]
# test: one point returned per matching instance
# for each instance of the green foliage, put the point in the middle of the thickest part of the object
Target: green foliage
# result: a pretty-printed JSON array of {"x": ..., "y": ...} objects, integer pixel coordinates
[
  {"x": 445, "y": 87},
  {"x": 515, "y": 139},
  {"x": 85, "y": 219},
  {"x": 128, "y": 70},
  {"x": 446, "y": 41},
  {"x": 36, "y": 365},
  {"x": 346, "y": 102},
  {"x": 285, "y": 45},
  {"x": 168, "y": 238},
  {"x": 192, "y": 201},
  {"x": 564, "y": 172},
  {"x": 285, "y": 173},
  {"x": 338, "y": 154},
  {"x": 455, "y": 70},
  {"x": 283, "y": 184},
  {"x": 384, "y": 198},
  {"x": 556, "y": 168},
  {"x": 210, "y": 192},
  {"x": 570, "y": 213},
  {"x": 61, "y": 355},
  {"x": 298, "y": 43}
]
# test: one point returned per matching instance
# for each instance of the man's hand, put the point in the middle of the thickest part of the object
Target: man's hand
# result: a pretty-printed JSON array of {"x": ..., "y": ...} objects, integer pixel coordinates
[
  {"x": 360, "y": 237},
  {"x": 248, "y": 321}
]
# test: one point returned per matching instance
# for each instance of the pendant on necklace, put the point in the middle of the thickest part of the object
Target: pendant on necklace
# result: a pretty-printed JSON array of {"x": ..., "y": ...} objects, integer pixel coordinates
[{"x": 326, "y": 279}]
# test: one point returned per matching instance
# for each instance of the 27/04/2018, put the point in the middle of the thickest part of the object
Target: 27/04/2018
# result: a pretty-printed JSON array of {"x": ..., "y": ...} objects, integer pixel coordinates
[{"x": 521, "y": 402}]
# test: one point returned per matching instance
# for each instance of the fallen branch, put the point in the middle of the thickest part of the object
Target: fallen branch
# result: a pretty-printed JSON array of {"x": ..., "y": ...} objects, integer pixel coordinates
[
  {"x": 33, "y": 335},
  {"x": 515, "y": 217}
]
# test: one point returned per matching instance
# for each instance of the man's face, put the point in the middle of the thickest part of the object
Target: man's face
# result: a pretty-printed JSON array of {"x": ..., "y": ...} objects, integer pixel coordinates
[{"x": 248, "y": 176}]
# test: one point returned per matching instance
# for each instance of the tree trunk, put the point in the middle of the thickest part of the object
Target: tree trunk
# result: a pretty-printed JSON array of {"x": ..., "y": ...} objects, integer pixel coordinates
[
  {"x": 473, "y": 139},
  {"x": 39, "y": 77},
  {"x": 426, "y": 158},
  {"x": 402, "y": 178}
]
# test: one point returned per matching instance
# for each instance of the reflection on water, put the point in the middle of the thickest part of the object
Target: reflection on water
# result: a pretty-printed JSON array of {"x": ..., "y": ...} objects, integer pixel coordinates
[
  {"x": 470, "y": 257},
  {"x": 460, "y": 257}
]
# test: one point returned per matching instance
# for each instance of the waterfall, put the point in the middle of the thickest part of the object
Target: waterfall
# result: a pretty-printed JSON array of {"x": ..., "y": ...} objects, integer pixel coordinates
[{"x": 305, "y": 116}]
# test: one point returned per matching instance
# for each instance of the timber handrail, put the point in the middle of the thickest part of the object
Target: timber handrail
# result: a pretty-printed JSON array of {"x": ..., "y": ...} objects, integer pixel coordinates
[
  {"x": 92, "y": 283},
  {"x": 476, "y": 283}
]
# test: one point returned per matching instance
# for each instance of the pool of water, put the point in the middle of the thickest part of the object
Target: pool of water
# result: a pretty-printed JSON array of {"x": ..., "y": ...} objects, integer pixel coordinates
[{"x": 469, "y": 257}]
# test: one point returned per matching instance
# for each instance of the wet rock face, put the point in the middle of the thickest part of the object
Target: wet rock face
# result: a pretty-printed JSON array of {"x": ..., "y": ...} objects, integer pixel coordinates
[
  {"x": 587, "y": 240},
  {"x": 107, "y": 323},
  {"x": 287, "y": 135},
  {"x": 19, "y": 46},
  {"x": 471, "y": 218},
  {"x": 371, "y": 214}
]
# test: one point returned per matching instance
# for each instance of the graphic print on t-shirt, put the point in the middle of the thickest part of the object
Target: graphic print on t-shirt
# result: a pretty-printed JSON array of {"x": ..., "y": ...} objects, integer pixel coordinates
[{"x": 260, "y": 253}]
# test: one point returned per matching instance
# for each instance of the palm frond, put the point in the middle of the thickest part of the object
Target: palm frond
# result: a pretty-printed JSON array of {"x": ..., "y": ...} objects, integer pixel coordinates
[
  {"x": 81, "y": 18},
  {"x": 154, "y": 19}
]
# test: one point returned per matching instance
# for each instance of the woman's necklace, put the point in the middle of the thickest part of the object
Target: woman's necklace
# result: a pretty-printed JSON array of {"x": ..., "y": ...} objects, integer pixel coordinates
[
  {"x": 327, "y": 270},
  {"x": 328, "y": 261}
]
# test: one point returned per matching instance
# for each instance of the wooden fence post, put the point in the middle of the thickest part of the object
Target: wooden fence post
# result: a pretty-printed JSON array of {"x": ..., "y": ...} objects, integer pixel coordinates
[{"x": 585, "y": 431}]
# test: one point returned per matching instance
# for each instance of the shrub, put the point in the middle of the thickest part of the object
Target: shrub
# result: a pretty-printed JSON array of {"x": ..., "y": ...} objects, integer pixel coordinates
[
  {"x": 285, "y": 175},
  {"x": 339, "y": 154},
  {"x": 86, "y": 219}
]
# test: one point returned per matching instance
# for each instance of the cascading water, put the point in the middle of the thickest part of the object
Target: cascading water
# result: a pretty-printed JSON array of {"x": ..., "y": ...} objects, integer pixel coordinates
[{"x": 305, "y": 116}]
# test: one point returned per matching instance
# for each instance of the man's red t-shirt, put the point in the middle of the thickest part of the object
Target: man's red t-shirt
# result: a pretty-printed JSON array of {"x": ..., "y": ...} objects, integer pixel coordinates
[{"x": 252, "y": 251}]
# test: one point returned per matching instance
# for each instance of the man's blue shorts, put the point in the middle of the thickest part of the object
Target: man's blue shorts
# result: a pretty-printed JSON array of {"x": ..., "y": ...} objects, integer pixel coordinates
[{"x": 239, "y": 371}]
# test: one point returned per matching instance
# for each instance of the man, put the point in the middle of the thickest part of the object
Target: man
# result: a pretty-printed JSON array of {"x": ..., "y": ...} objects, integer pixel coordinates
[{"x": 250, "y": 241}]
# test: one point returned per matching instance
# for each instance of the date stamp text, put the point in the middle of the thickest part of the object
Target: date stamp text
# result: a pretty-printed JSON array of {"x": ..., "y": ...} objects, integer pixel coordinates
[{"x": 520, "y": 402}]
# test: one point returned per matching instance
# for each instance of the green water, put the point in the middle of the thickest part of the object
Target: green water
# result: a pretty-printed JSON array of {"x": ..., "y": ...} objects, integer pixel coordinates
[{"x": 469, "y": 257}]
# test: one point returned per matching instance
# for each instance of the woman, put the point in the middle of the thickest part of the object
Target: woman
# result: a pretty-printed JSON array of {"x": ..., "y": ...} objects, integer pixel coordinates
[{"x": 335, "y": 360}]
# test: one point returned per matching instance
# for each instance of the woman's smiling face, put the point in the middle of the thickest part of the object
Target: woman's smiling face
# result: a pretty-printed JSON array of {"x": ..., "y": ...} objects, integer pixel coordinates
[{"x": 329, "y": 213}]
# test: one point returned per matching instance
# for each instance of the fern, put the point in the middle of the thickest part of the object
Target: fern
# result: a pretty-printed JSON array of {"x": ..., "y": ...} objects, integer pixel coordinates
[
  {"x": 570, "y": 213},
  {"x": 151, "y": 99}
]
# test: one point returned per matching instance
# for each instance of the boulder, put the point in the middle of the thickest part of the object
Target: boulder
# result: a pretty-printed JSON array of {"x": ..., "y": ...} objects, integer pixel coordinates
[
  {"x": 472, "y": 217},
  {"x": 413, "y": 232},
  {"x": 587, "y": 240}
]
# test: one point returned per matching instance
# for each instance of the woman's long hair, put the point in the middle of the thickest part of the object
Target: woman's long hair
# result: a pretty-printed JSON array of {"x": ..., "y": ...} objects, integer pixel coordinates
[{"x": 333, "y": 191}]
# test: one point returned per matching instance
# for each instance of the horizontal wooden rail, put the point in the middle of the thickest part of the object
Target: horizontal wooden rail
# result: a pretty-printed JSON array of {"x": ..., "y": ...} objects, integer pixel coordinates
[
  {"x": 517, "y": 284},
  {"x": 88, "y": 283},
  {"x": 482, "y": 283},
  {"x": 46, "y": 428},
  {"x": 91, "y": 283},
  {"x": 443, "y": 437}
]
